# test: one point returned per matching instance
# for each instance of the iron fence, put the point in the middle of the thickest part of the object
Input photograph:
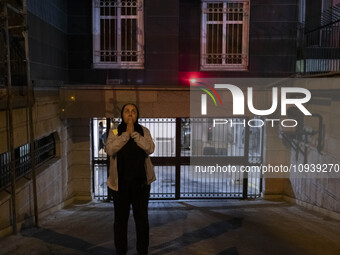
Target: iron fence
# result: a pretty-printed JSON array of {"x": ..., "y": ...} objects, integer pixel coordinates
[
  {"x": 177, "y": 141},
  {"x": 319, "y": 52},
  {"x": 165, "y": 187}
]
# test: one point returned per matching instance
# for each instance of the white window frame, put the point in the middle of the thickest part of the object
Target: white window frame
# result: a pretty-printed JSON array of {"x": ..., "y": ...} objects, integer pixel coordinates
[
  {"x": 96, "y": 18},
  {"x": 245, "y": 37}
]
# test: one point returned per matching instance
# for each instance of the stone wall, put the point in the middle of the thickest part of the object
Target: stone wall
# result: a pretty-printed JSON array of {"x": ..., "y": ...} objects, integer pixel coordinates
[
  {"x": 275, "y": 154},
  {"x": 324, "y": 192},
  {"x": 79, "y": 161},
  {"x": 52, "y": 176}
]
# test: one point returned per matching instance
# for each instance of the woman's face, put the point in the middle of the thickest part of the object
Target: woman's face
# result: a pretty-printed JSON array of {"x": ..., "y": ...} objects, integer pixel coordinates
[{"x": 130, "y": 114}]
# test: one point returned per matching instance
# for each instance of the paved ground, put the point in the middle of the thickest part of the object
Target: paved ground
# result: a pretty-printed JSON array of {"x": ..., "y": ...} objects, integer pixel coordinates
[{"x": 222, "y": 227}]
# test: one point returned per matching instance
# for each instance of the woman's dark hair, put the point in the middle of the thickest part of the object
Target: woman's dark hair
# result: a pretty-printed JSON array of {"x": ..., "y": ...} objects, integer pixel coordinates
[
  {"x": 122, "y": 126},
  {"x": 122, "y": 111}
]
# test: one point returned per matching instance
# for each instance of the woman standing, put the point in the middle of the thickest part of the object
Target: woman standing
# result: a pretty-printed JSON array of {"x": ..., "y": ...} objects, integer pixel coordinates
[{"x": 130, "y": 175}]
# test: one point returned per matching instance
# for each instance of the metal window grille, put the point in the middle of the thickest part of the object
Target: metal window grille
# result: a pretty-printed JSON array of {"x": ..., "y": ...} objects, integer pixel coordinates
[
  {"x": 22, "y": 160},
  {"x": 118, "y": 34},
  {"x": 319, "y": 43},
  {"x": 44, "y": 150},
  {"x": 5, "y": 169},
  {"x": 225, "y": 35},
  {"x": 321, "y": 50}
]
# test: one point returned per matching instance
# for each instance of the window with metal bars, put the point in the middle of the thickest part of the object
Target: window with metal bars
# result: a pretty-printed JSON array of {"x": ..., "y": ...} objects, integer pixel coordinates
[
  {"x": 118, "y": 34},
  {"x": 5, "y": 169},
  {"x": 225, "y": 35},
  {"x": 44, "y": 150},
  {"x": 22, "y": 160}
]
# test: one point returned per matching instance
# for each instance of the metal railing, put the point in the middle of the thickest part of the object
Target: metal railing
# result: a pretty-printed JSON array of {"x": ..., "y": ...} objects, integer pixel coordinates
[
  {"x": 45, "y": 150},
  {"x": 5, "y": 169},
  {"x": 319, "y": 51}
]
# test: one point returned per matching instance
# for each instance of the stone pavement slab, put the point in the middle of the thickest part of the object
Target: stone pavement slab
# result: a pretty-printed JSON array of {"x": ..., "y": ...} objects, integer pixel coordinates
[{"x": 203, "y": 227}]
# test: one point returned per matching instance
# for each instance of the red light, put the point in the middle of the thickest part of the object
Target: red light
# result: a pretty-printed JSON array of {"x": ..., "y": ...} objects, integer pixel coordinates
[{"x": 192, "y": 80}]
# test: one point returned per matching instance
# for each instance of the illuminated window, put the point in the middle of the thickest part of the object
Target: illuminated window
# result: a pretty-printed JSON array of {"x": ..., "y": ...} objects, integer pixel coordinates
[
  {"x": 118, "y": 34},
  {"x": 225, "y": 35}
]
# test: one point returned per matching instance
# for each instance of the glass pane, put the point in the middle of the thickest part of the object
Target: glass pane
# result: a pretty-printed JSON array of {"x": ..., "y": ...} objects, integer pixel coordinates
[
  {"x": 129, "y": 40},
  {"x": 129, "y": 7},
  {"x": 108, "y": 40},
  {"x": 23, "y": 160},
  {"x": 102, "y": 39},
  {"x": 234, "y": 11},
  {"x": 108, "y": 7},
  {"x": 5, "y": 170},
  {"x": 214, "y": 43},
  {"x": 215, "y": 12},
  {"x": 234, "y": 44},
  {"x": 113, "y": 40}
]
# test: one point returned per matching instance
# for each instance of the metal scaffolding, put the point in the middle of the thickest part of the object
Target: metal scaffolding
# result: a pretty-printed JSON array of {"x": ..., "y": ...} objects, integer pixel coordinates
[{"x": 15, "y": 72}]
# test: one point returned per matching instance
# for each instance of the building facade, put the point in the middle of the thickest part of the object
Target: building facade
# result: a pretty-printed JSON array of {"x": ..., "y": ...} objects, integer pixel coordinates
[{"x": 89, "y": 57}]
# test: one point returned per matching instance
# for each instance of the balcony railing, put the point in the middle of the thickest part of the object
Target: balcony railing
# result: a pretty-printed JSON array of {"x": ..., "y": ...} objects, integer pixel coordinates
[{"x": 319, "y": 51}]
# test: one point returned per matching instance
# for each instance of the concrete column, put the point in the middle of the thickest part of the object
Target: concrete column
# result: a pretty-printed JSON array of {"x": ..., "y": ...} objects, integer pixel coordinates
[
  {"x": 276, "y": 153},
  {"x": 79, "y": 159}
]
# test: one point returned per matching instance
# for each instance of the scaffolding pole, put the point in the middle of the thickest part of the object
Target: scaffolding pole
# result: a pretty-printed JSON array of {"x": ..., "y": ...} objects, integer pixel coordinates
[
  {"x": 30, "y": 117},
  {"x": 10, "y": 119},
  {"x": 30, "y": 98}
]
